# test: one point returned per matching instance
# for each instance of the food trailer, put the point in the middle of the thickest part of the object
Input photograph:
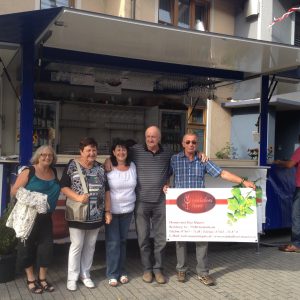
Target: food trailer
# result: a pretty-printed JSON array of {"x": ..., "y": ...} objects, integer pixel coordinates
[{"x": 84, "y": 73}]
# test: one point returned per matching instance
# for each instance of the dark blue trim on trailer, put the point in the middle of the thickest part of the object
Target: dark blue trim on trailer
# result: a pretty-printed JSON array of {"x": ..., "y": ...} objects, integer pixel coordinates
[
  {"x": 280, "y": 190},
  {"x": 293, "y": 74},
  {"x": 91, "y": 59},
  {"x": 263, "y": 128},
  {"x": 27, "y": 26},
  {"x": 26, "y": 111}
]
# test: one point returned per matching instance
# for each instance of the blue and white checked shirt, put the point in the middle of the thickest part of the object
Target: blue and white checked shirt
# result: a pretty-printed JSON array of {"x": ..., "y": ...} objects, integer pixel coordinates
[{"x": 190, "y": 174}]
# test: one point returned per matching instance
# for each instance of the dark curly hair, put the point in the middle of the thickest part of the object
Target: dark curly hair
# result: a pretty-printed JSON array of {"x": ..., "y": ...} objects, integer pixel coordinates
[{"x": 123, "y": 144}]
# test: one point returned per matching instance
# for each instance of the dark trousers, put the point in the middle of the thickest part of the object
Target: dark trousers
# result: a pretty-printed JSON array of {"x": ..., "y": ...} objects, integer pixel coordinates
[
  {"x": 151, "y": 216},
  {"x": 39, "y": 245},
  {"x": 296, "y": 218}
]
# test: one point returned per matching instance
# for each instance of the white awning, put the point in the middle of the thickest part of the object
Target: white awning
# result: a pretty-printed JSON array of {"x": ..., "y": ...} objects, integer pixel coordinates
[{"x": 101, "y": 34}]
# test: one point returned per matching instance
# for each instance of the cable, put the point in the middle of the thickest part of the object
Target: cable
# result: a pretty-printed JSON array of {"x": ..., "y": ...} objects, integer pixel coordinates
[{"x": 9, "y": 79}]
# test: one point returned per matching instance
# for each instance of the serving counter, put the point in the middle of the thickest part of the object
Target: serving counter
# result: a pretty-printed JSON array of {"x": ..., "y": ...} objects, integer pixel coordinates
[{"x": 243, "y": 168}]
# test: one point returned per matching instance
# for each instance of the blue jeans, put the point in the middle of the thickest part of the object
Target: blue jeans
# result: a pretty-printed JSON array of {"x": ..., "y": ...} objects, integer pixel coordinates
[
  {"x": 115, "y": 240},
  {"x": 296, "y": 218}
]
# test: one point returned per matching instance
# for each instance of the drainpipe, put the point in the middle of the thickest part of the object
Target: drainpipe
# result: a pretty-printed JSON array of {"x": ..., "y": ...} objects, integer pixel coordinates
[{"x": 133, "y": 5}]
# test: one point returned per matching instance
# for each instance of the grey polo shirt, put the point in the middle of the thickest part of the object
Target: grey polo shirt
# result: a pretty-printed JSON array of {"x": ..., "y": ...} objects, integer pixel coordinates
[{"x": 153, "y": 171}]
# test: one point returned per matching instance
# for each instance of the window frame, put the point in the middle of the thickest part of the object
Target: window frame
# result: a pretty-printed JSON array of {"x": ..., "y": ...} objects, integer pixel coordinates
[
  {"x": 71, "y": 4},
  {"x": 195, "y": 130},
  {"x": 194, "y": 126},
  {"x": 199, "y": 109},
  {"x": 193, "y": 3}
]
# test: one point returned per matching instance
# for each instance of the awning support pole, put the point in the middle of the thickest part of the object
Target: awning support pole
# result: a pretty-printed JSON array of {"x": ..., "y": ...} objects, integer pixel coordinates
[
  {"x": 263, "y": 120},
  {"x": 272, "y": 87},
  {"x": 26, "y": 109}
]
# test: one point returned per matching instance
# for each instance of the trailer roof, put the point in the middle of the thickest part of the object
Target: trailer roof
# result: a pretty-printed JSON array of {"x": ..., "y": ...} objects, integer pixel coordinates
[{"x": 203, "y": 53}]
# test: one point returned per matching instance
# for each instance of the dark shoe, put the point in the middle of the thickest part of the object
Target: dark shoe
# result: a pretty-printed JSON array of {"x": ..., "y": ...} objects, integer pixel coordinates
[
  {"x": 289, "y": 248},
  {"x": 206, "y": 280},
  {"x": 35, "y": 287},
  {"x": 181, "y": 276},
  {"x": 160, "y": 278},
  {"x": 46, "y": 286},
  {"x": 147, "y": 277}
]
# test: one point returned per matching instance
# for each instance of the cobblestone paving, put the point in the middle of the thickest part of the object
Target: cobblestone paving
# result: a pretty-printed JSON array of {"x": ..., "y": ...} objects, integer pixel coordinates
[{"x": 242, "y": 271}]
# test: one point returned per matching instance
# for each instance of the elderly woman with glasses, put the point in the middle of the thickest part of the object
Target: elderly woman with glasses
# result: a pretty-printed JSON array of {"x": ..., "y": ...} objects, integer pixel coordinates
[{"x": 40, "y": 177}]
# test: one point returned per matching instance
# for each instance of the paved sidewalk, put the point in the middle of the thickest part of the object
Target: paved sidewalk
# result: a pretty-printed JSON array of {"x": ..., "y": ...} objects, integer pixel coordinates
[{"x": 240, "y": 272}]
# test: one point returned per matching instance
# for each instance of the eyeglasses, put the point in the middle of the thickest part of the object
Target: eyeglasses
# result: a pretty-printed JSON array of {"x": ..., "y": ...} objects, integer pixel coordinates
[
  {"x": 193, "y": 142},
  {"x": 44, "y": 155}
]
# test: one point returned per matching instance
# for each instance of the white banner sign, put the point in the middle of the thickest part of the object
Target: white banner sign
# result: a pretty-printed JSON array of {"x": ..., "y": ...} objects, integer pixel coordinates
[{"x": 211, "y": 214}]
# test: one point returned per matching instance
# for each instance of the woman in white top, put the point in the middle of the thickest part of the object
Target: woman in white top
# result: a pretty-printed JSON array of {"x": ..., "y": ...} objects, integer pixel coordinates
[{"x": 122, "y": 181}]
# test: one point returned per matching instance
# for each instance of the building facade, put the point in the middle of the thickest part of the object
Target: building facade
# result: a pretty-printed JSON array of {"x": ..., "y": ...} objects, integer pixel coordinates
[{"x": 220, "y": 123}]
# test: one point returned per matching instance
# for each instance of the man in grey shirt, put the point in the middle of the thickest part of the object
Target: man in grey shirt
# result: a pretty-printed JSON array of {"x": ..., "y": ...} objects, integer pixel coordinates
[{"x": 152, "y": 163}]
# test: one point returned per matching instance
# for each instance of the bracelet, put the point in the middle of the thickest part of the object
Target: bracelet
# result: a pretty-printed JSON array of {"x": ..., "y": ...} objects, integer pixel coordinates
[
  {"x": 108, "y": 211},
  {"x": 243, "y": 180}
]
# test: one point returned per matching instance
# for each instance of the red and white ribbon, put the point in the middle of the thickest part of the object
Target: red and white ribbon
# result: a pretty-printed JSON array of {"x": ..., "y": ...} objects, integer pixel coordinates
[{"x": 285, "y": 15}]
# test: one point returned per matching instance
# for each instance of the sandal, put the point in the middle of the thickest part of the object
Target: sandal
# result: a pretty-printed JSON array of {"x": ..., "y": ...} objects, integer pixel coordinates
[
  {"x": 289, "y": 248},
  {"x": 46, "y": 286},
  {"x": 113, "y": 282},
  {"x": 124, "y": 279},
  {"x": 36, "y": 289},
  {"x": 206, "y": 279}
]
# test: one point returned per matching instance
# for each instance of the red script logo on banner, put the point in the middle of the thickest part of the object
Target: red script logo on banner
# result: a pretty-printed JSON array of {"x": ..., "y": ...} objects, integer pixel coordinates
[{"x": 196, "y": 202}]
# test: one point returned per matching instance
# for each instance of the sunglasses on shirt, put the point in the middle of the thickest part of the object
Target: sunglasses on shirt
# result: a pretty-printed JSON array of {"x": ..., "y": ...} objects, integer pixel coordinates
[{"x": 193, "y": 142}]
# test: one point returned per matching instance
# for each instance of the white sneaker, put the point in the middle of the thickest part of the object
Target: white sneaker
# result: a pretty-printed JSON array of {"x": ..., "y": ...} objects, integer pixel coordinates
[
  {"x": 72, "y": 285},
  {"x": 88, "y": 282}
]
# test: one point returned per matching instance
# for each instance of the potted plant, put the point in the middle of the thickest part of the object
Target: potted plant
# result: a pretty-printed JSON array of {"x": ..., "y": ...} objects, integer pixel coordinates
[
  {"x": 8, "y": 242},
  {"x": 227, "y": 152}
]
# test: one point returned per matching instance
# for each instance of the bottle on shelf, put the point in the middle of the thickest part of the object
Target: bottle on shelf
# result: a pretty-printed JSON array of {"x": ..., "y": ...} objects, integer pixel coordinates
[
  {"x": 35, "y": 138},
  {"x": 35, "y": 117},
  {"x": 44, "y": 117},
  {"x": 39, "y": 117}
]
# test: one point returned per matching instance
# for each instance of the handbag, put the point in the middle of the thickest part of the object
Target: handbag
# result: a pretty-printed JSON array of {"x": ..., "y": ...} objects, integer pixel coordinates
[{"x": 75, "y": 210}]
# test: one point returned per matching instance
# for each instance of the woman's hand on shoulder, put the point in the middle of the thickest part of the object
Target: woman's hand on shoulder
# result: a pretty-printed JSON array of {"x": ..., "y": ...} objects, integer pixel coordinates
[{"x": 108, "y": 165}]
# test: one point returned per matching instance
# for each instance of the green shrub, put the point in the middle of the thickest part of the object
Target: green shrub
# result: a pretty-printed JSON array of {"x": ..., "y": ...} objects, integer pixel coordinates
[
  {"x": 227, "y": 152},
  {"x": 8, "y": 240}
]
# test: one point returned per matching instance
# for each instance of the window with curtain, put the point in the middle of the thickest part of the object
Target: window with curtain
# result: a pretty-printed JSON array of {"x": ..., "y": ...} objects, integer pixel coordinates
[
  {"x": 56, "y": 3},
  {"x": 184, "y": 13}
]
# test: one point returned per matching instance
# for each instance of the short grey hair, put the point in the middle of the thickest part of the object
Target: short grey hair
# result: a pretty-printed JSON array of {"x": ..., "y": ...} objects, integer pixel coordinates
[
  {"x": 190, "y": 134},
  {"x": 35, "y": 157},
  {"x": 156, "y": 128}
]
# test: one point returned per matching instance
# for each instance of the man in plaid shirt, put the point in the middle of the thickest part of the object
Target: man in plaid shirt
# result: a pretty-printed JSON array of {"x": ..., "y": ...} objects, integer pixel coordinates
[{"x": 189, "y": 172}]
